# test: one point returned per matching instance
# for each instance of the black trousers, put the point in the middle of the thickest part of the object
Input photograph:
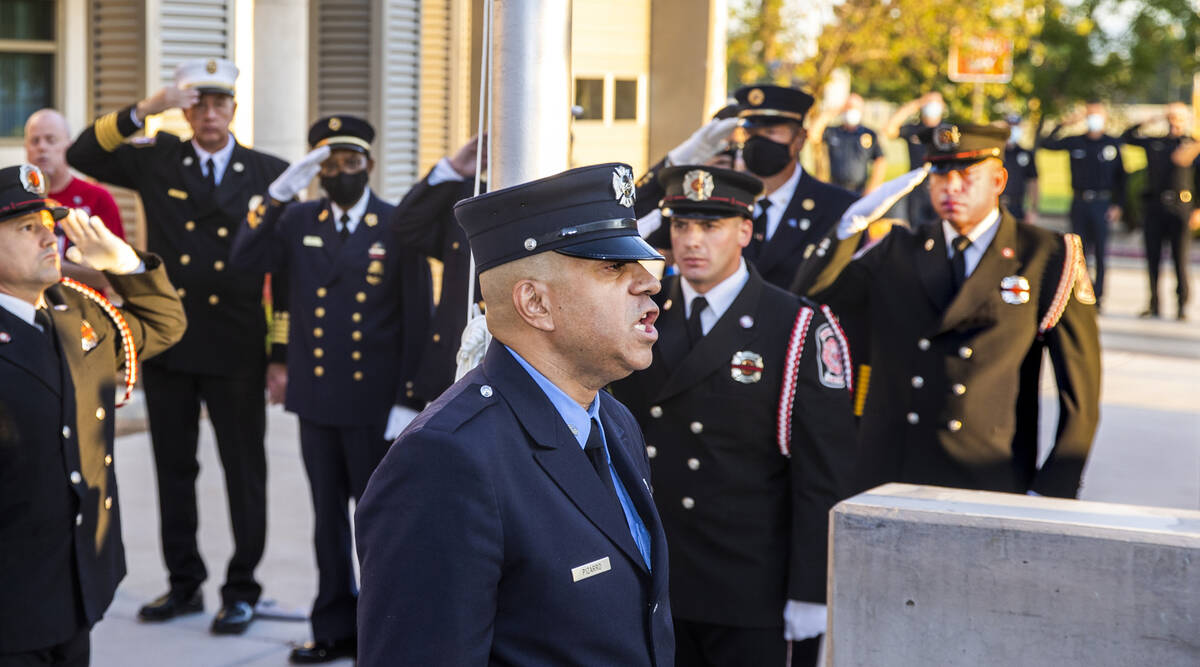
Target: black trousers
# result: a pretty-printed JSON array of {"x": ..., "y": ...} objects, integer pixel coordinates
[
  {"x": 339, "y": 460},
  {"x": 237, "y": 410},
  {"x": 708, "y": 645},
  {"x": 75, "y": 652},
  {"x": 1166, "y": 225},
  {"x": 1089, "y": 219}
]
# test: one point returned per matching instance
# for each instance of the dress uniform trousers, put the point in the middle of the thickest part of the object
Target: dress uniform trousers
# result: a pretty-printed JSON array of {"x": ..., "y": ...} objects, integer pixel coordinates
[
  {"x": 1165, "y": 224},
  {"x": 1089, "y": 220}
]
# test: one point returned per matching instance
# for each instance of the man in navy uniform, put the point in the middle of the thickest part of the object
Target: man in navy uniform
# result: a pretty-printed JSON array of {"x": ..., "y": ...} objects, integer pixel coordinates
[
  {"x": 744, "y": 490},
  {"x": 962, "y": 314},
  {"x": 512, "y": 522},
  {"x": 351, "y": 308},
  {"x": 1022, "y": 175},
  {"x": 195, "y": 194},
  {"x": 856, "y": 160},
  {"x": 796, "y": 210},
  {"x": 1098, "y": 181},
  {"x": 61, "y": 348},
  {"x": 930, "y": 107},
  {"x": 424, "y": 221},
  {"x": 1168, "y": 202}
]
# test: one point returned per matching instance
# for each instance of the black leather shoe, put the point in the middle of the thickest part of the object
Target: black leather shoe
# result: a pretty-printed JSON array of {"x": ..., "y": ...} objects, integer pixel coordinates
[
  {"x": 323, "y": 651},
  {"x": 172, "y": 604},
  {"x": 1152, "y": 311},
  {"x": 233, "y": 619}
]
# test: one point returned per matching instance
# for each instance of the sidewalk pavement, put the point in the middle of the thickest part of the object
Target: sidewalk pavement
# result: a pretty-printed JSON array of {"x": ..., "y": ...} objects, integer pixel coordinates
[{"x": 1147, "y": 451}]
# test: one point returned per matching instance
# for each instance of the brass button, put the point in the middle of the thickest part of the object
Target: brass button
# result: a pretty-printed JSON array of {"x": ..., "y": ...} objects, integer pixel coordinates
[
  {"x": 318, "y": 352},
  {"x": 222, "y": 232},
  {"x": 213, "y": 299},
  {"x": 454, "y": 246},
  {"x": 409, "y": 393},
  {"x": 108, "y": 459},
  {"x": 181, "y": 292},
  {"x": 190, "y": 225},
  {"x": 409, "y": 384},
  {"x": 319, "y": 312},
  {"x": 357, "y": 375},
  {"x": 356, "y": 335},
  {"x": 356, "y": 317},
  {"x": 965, "y": 352},
  {"x": 318, "y": 332},
  {"x": 954, "y": 425},
  {"x": 100, "y": 414},
  {"x": 318, "y": 371},
  {"x": 356, "y": 355},
  {"x": 185, "y": 259},
  {"x": 219, "y": 265},
  {"x": 360, "y": 297},
  {"x": 108, "y": 503},
  {"x": 959, "y": 389},
  {"x": 321, "y": 292},
  {"x": 437, "y": 337}
]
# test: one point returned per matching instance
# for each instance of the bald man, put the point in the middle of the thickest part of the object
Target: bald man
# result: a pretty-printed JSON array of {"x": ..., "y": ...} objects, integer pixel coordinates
[
  {"x": 47, "y": 138},
  {"x": 512, "y": 522}
]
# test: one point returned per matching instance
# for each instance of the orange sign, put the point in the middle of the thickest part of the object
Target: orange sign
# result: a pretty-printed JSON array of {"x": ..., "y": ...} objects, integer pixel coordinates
[{"x": 985, "y": 58}]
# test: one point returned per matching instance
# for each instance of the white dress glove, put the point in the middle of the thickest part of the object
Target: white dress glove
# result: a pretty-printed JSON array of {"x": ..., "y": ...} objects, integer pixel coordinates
[
  {"x": 398, "y": 420},
  {"x": 873, "y": 206},
  {"x": 704, "y": 142},
  {"x": 475, "y": 339},
  {"x": 95, "y": 247},
  {"x": 802, "y": 620},
  {"x": 298, "y": 175}
]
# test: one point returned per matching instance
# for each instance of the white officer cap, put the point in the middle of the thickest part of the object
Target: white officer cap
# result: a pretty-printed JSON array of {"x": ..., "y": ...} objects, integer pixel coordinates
[{"x": 208, "y": 75}]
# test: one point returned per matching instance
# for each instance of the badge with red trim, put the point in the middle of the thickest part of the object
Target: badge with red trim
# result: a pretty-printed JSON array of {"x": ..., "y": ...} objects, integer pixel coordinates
[
  {"x": 87, "y": 336},
  {"x": 831, "y": 371},
  {"x": 377, "y": 251},
  {"x": 1014, "y": 290},
  {"x": 746, "y": 367}
]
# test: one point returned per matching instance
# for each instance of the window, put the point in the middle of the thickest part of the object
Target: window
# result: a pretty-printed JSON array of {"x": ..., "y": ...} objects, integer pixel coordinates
[
  {"x": 26, "y": 61},
  {"x": 589, "y": 96},
  {"x": 625, "y": 99}
]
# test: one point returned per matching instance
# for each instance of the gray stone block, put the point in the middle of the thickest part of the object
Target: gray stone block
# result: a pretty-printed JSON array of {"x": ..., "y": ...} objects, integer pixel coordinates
[{"x": 931, "y": 576}]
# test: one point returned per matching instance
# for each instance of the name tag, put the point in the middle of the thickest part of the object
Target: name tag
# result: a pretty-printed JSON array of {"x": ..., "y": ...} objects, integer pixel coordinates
[
  {"x": 591, "y": 569},
  {"x": 176, "y": 193},
  {"x": 313, "y": 241}
]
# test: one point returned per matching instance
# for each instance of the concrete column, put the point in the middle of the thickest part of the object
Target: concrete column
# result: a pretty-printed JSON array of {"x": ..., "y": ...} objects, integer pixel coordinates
[
  {"x": 531, "y": 105},
  {"x": 281, "y": 82},
  {"x": 931, "y": 576},
  {"x": 687, "y": 69}
]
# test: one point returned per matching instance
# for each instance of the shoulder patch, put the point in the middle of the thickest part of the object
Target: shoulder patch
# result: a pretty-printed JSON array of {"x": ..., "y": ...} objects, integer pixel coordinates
[{"x": 831, "y": 372}]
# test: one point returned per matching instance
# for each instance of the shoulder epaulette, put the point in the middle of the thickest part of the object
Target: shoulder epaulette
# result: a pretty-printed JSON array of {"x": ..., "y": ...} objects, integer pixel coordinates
[{"x": 1074, "y": 278}]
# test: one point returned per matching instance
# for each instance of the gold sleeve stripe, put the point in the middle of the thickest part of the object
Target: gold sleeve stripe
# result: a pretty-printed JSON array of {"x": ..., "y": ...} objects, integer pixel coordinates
[
  {"x": 107, "y": 133},
  {"x": 860, "y": 393},
  {"x": 280, "y": 325}
]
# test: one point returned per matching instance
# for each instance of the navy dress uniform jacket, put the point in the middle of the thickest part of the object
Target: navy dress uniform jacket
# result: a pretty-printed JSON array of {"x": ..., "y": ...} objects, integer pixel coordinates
[
  {"x": 814, "y": 209},
  {"x": 472, "y": 525},
  {"x": 745, "y": 472},
  {"x": 424, "y": 220},
  {"x": 953, "y": 395},
  {"x": 60, "y": 527},
  {"x": 192, "y": 230},
  {"x": 349, "y": 319}
]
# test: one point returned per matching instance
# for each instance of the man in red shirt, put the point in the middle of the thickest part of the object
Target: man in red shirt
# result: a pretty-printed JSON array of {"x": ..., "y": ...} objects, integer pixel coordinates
[{"x": 46, "y": 141}]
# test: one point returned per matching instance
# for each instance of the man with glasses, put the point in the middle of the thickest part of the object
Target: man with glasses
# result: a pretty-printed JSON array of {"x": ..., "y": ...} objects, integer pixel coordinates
[
  {"x": 351, "y": 310},
  {"x": 195, "y": 193},
  {"x": 962, "y": 311}
]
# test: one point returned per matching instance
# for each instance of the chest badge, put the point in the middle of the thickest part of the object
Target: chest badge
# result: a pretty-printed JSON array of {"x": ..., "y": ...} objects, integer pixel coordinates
[
  {"x": 313, "y": 241},
  {"x": 1014, "y": 290},
  {"x": 1109, "y": 153},
  {"x": 87, "y": 336},
  {"x": 1023, "y": 159},
  {"x": 377, "y": 251},
  {"x": 866, "y": 140},
  {"x": 746, "y": 367},
  {"x": 371, "y": 219},
  {"x": 239, "y": 167}
]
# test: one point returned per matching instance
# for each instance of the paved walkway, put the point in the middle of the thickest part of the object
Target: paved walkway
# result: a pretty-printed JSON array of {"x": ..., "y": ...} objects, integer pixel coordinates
[{"x": 1147, "y": 452}]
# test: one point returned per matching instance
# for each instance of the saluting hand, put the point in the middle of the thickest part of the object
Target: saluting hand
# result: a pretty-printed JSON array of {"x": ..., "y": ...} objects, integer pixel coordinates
[
  {"x": 704, "y": 142},
  {"x": 169, "y": 97},
  {"x": 464, "y": 160},
  {"x": 95, "y": 247},
  {"x": 298, "y": 175}
]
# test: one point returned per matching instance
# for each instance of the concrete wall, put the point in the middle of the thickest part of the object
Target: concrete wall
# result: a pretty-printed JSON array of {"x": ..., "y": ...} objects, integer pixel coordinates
[
  {"x": 930, "y": 576},
  {"x": 279, "y": 61}
]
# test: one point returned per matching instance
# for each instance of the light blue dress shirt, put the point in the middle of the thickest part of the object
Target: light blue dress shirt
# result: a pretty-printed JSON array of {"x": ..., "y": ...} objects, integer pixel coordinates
[{"x": 579, "y": 422}]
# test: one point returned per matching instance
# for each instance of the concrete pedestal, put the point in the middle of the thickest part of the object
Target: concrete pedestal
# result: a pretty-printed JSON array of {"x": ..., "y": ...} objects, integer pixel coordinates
[{"x": 932, "y": 576}]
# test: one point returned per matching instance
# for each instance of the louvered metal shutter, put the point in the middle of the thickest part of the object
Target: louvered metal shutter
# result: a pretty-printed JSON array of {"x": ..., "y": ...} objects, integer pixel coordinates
[
  {"x": 341, "y": 58},
  {"x": 396, "y": 72},
  {"x": 193, "y": 29},
  {"x": 117, "y": 36}
]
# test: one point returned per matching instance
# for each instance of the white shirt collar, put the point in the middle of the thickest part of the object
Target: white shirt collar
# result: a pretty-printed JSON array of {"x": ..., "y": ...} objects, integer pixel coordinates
[
  {"x": 981, "y": 237},
  {"x": 19, "y": 307},
  {"x": 355, "y": 212},
  {"x": 220, "y": 158},
  {"x": 720, "y": 297},
  {"x": 779, "y": 201}
]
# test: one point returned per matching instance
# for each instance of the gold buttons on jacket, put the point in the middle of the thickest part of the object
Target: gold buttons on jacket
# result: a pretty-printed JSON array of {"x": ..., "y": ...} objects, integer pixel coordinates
[
  {"x": 181, "y": 292},
  {"x": 222, "y": 232},
  {"x": 213, "y": 299},
  {"x": 360, "y": 297},
  {"x": 108, "y": 503},
  {"x": 321, "y": 292},
  {"x": 190, "y": 225},
  {"x": 108, "y": 459},
  {"x": 437, "y": 337},
  {"x": 319, "y": 312},
  {"x": 318, "y": 332},
  {"x": 218, "y": 265},
  {"x": 318, "y": 352},
  {"x": 954, "y": 425},
  {"x": 185, "y": 259},
  {"x": 100, "y": 414},
  {"x": 959, "y": 389},
  {"x": 358, "y": 376},
  {"x": 356, "y": 355},
  {"x": 356, "y": 335},
  {"x": 319, "y": 371},
  {"x": 965, "y": 352},
  {"x": 454, "y": 246},
  {"x": 356, "y": 317},
  {"x": 697, "y": 428}
]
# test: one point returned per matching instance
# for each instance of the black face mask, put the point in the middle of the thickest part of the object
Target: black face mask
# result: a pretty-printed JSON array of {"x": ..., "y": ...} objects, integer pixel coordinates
[
  {"x": 345, "y": 189},
  {"x": 764, "y": 157}
]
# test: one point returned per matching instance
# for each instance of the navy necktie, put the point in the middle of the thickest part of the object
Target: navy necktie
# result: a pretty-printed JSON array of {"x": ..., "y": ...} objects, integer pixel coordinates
[
  {"x": 959, "y": 261},
  {"x": 211, "y": 177},
  {"x": 344, "y": 231},
  {"x": 594, "y": 448},
  {"x": 695, "y": 329}
]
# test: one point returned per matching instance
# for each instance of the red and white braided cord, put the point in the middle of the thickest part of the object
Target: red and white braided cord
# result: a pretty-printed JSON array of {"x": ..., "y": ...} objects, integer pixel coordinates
[
  {"x": 131, "y": 368},
  {"x": 791, "y": 373}
]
